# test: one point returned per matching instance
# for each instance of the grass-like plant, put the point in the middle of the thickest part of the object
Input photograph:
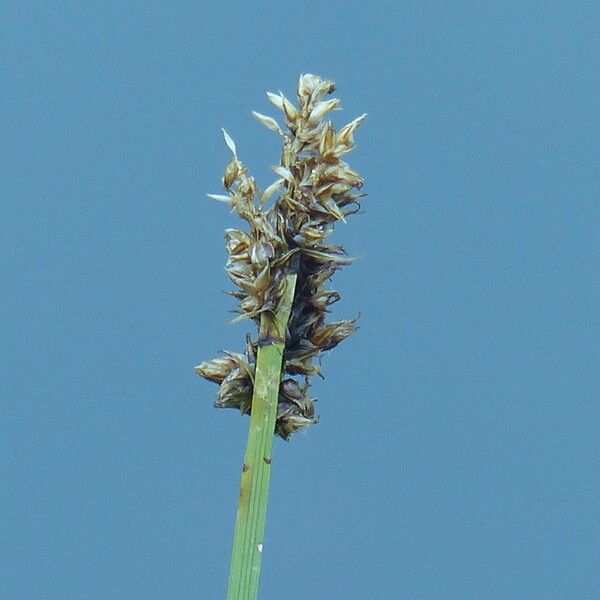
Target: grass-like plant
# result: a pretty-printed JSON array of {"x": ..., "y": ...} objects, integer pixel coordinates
[{"x": 281, "y": 267}]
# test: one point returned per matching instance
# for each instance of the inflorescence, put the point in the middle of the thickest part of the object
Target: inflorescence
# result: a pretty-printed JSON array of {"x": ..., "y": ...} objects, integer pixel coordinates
[{"x": 314, "y": 190}]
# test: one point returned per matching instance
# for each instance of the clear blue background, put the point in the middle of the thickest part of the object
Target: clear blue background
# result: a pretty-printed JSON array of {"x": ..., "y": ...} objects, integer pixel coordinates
[{"x": 458, "y": 451}]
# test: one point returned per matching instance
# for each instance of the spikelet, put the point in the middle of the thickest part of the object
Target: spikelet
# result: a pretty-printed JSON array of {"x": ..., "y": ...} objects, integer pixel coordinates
[{"x": 314, "y": 190}]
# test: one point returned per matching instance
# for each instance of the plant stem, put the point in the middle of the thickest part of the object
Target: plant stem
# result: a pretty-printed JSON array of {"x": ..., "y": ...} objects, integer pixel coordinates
[{"x": 254, "y": 488}]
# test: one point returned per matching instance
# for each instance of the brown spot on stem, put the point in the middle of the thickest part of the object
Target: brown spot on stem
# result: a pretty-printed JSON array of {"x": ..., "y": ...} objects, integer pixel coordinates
[
  {"x": 245, "y": 468},
  {"x": 267, "y": 460}
]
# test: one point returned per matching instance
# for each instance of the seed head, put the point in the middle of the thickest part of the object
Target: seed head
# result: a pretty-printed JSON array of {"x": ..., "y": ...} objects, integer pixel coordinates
[{"x": 314, "y": 190}]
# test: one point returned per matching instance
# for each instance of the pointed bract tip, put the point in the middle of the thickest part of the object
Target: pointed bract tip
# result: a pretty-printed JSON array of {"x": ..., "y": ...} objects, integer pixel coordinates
[{"x": 230, "y": 143}]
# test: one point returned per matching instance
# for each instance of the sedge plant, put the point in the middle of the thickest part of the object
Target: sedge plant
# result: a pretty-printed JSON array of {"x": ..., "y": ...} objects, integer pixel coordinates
[{"x": 280, "y": 266}]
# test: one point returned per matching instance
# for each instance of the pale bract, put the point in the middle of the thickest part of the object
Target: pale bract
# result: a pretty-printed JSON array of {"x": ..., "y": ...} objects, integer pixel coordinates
[
  {"x": 267, "y": 122},
  {"x": 230, "y": 143}
]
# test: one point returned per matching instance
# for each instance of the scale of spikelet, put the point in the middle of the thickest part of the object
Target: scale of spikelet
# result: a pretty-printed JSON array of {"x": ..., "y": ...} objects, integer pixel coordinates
[{"x": 314, "y": 190}]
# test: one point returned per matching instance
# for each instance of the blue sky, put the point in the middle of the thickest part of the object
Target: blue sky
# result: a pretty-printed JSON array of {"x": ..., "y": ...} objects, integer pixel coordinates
[{"x": 457, "y": 453}]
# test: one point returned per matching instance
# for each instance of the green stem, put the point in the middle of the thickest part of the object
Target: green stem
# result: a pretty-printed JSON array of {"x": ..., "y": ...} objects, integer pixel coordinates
[{"x": 256, "y": 472}]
